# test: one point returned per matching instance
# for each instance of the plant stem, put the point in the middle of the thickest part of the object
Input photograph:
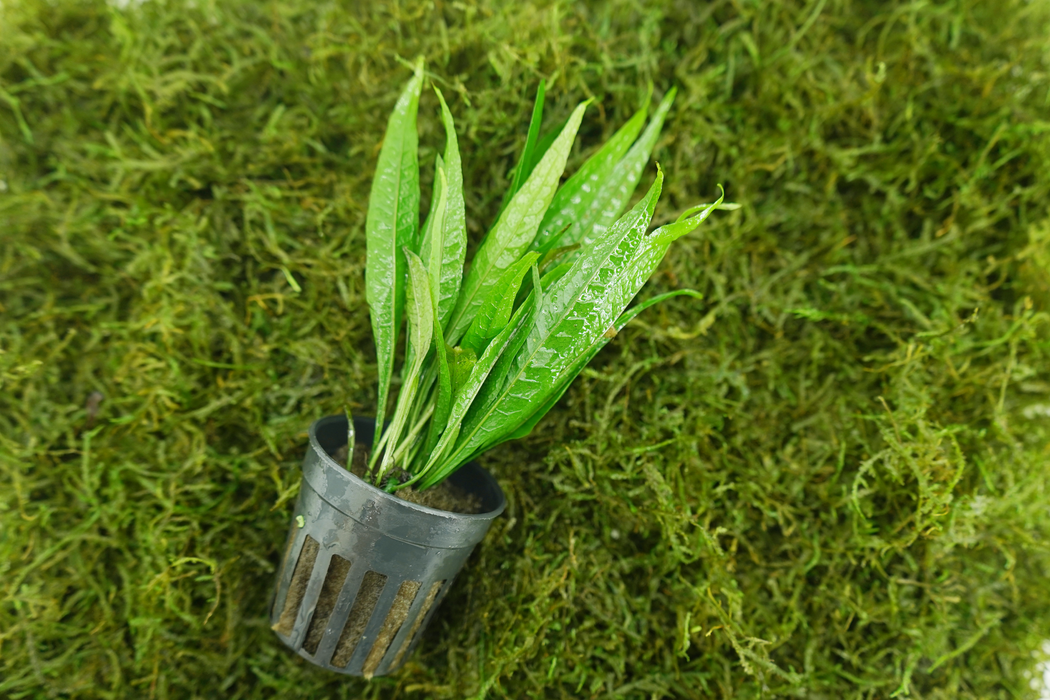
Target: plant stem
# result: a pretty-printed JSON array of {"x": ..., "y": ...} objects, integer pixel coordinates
[{"x": 409, "y": 439}]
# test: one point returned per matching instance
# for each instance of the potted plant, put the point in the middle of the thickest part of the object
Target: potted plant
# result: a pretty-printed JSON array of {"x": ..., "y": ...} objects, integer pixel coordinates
[{"x": 390, "y": 509}]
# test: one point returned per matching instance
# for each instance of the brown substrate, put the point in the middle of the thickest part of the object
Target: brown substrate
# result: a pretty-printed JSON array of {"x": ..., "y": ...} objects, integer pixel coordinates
[
  {"x": 365, "y": 602},
  {"x": 444, "y": 496}
]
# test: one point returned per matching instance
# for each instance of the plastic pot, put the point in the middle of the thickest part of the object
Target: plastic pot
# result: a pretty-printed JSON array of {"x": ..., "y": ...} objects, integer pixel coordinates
[{"x": 363, "y": 571}]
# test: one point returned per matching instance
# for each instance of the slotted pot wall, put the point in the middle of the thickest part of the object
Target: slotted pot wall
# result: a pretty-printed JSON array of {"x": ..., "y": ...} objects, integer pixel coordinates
[{"x": 364, "y": 571}]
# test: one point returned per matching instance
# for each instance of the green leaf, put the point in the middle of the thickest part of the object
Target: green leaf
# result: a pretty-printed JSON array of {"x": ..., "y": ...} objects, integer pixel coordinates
[
  {"x": 529, "y": 156},
  {"x": 611, "y": 193},
  {"x": 461, "y": 362},
  {"x": 497, "y": 377},
  {"x": 547, "y": 279},
  {"x": 553, "y": 275},
  {"x": 515, "y": 229},
  {"x": 545, "y": 142},
  {"x": 494, "y": 312},
  {"x": 629, "y": 315},
  {"x": 619, "y": 292},
  {"x": 443, "y": 402},
  {"x": 574, "y": 370},
  {"x": 601, "y": 261},
  {"x": 455, "y": 238},
  {"x": 554, "y": 253},
  {"x": 464, "y": 396},
  {"x": 651, "y": 252},
  {"x": 646, "y": 257},
  {"x": 430, "y": 251},
  {"x": 392, "y": 223},
  {"x": 420, "y": 312},
  {"x": 575, "y": 312},
  {"x": 434, "y": 234},
  {"x": 576, "y": 204},
  {"x": 439, "y": 185},
  {"x": 433, "y": 247}
]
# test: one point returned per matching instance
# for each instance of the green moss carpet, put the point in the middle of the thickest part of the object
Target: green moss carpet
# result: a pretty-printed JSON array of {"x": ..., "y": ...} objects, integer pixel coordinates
[{"x": 827, "y": 479}]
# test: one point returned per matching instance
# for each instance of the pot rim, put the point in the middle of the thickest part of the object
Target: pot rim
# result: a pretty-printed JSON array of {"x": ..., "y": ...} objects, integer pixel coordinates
[{"x": 333, "y": 468}]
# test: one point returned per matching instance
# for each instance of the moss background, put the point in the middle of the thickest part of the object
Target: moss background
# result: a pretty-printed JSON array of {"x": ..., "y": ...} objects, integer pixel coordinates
[{"x": 826, "y": 480}]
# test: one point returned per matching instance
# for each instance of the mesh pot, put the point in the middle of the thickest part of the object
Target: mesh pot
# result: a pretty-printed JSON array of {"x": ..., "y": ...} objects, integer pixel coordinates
[{"x": 363, "y": 571}]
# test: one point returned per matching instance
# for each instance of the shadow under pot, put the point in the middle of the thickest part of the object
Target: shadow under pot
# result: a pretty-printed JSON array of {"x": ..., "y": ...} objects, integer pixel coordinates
[{"x": 363, "y": 570}]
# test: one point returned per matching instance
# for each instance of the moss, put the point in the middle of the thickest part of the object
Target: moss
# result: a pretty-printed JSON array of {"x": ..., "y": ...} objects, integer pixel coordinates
[{"x": 828, "y": 479}]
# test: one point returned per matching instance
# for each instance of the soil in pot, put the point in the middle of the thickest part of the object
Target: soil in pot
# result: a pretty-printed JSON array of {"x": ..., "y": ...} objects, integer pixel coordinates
[{"x": 444, "y": 496}]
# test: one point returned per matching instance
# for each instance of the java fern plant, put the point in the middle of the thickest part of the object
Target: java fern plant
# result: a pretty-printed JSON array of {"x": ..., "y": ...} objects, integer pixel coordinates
[{"x": 491, "y": 351}]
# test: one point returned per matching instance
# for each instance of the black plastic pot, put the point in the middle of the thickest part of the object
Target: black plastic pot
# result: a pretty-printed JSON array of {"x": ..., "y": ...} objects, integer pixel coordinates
[{"x": 364, "y": 571}]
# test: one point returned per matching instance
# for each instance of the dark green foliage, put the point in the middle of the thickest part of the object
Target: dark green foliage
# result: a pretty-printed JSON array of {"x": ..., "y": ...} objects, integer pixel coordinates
[{"x": 828, "y": 479}]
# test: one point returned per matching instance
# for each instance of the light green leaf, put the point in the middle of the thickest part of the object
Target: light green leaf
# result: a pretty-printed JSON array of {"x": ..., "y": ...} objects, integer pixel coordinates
[
  {"x": 440, "y": 181},
  {"x": 443, "y": 401},
  {"x": 545, "y": 142},
  {"x": 455, "y": 238},
  {"x": 433, "y": 246},
  {"x": 574, "y": 314},
  {"x": 630, "y": 280},
  {"x": 466, "y": 393},
  {"x": 461, "y": 362},
  {"x": 610, "y": 195},
  {"x": 651, "y": 252},
  {"x": 434, "y": 236},
  {"x": 494, "y": 312},
  {"x": 577, "y": 202},
  {"x": 529, "y": 155},
  {"x": 430, "y": 251},
  {"x": 547, "y": 279},
  {"x": 420, "y": 312},
  {"x": 554, "y": 253},
  {"x": 574, "y": 370},
  {"x": 498, "y": 376},
  {"x": 392, "y": 223},
  {"x": 629, "y": 315},
  {"x": 515, "y": 229},
  {"x": 601, "y": 261}
]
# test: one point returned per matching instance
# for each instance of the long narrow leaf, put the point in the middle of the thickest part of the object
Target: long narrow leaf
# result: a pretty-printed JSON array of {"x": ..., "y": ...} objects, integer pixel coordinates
[
  {"x": 392, "y": 223},
  {"x": 461, "y": 363},
  {"x": 545, "y": 142},
  {"x": 612, "y": 194},
  {"x": 443, "y": 401},
  {"x": 433, "y": 248},
  {"x": 548, "y": 278},
  {"x": 574, "y": 370},
  {"x": 644, "y": 266},
  {"x": 430, "y": 251},
  {"x": 574, "y": 206},
  {"x": 515, "y": 229},
  {"x": 420, "y": 312},
  {"x": 495, "y": 309},
  {"x": 630, "y": 314},
  {"x": 440, "y": 181},
  {"x": 433, "y": 245},
  {"x": 455, "y": 247},
  {"x": 498, "y": 376},
  {"x": 601, "y": 261},
  {"x": 529, "y": 157},
  {"x": 466, "y": 393},
  {"x": 574, "y": 313},
  {"x": 643, "y": 263}
]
